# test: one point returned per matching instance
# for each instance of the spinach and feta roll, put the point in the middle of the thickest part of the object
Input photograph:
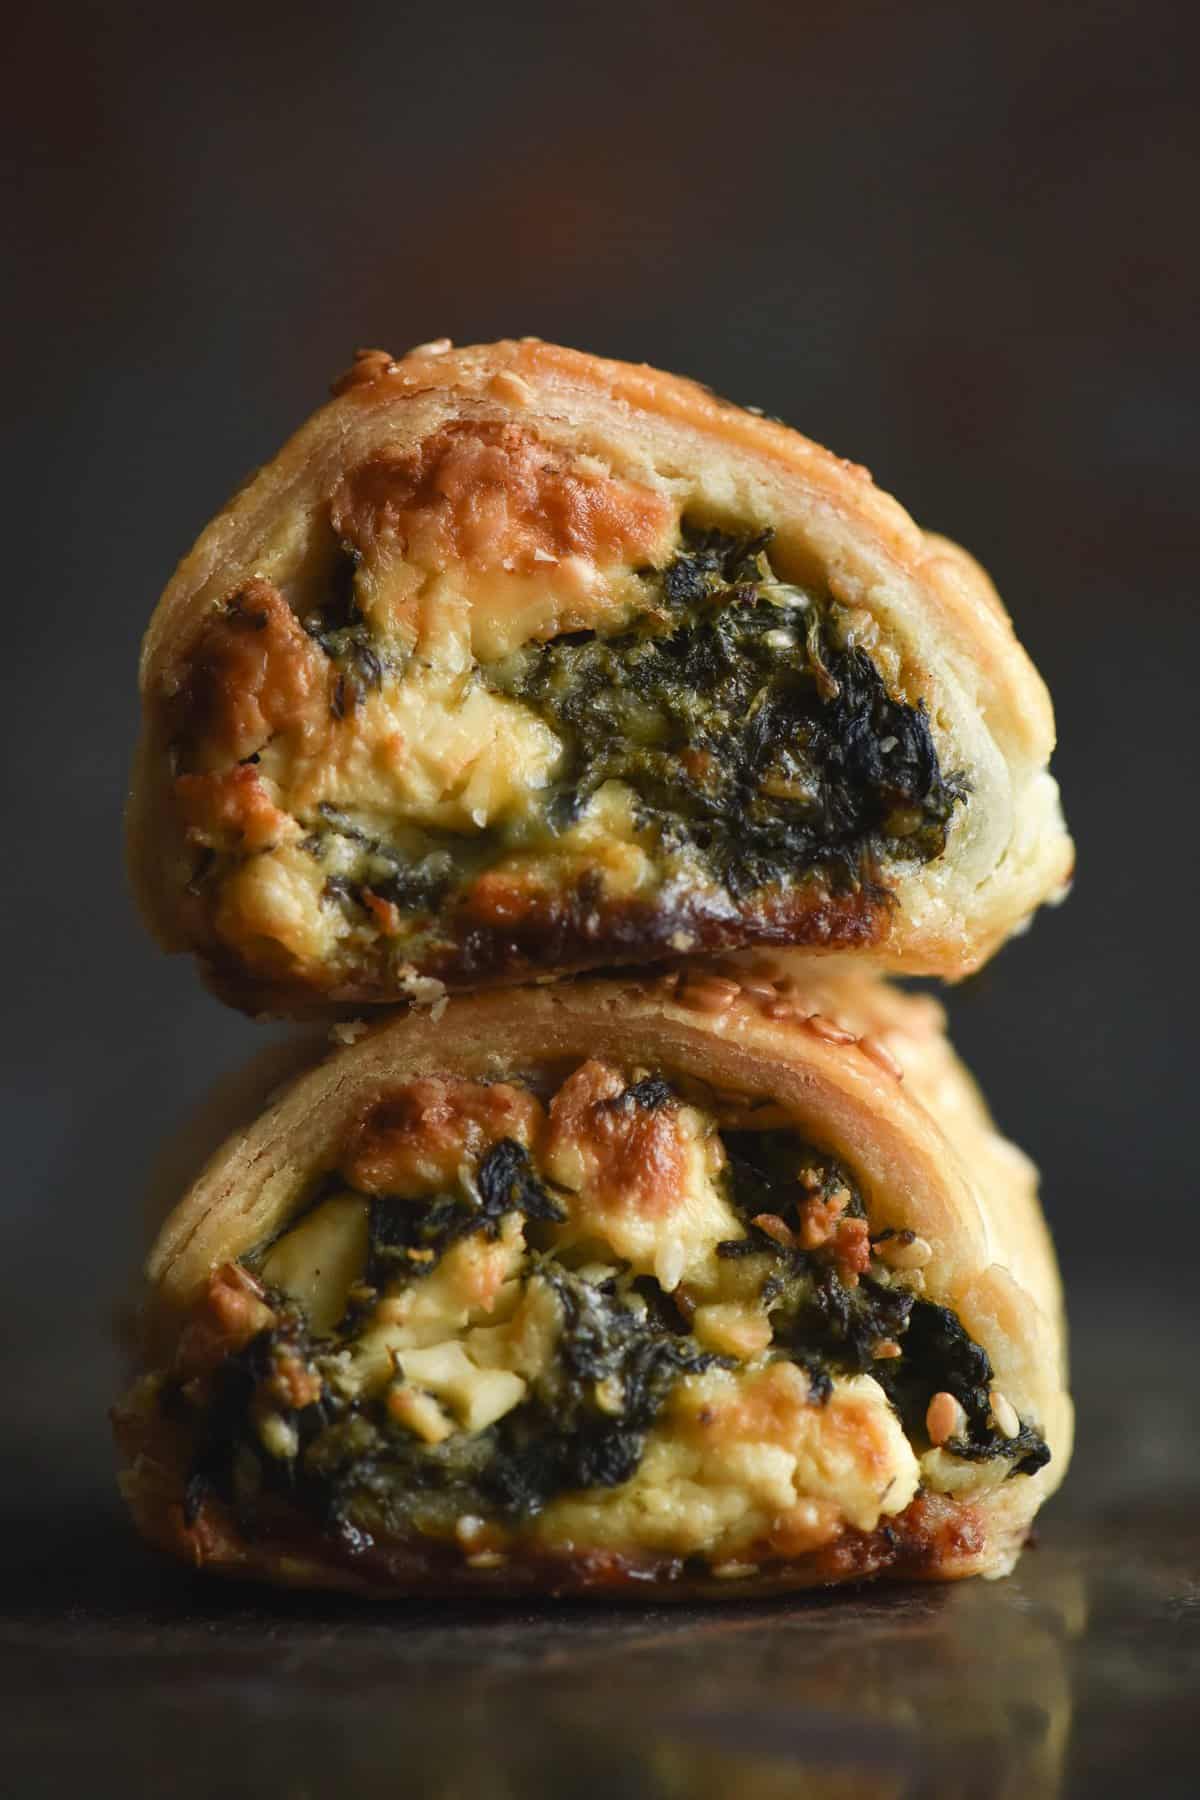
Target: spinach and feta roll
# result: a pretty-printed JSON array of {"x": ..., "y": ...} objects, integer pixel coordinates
[
  {"x": 716, "y": 1281},
  {"x": 515, "y": 661}
]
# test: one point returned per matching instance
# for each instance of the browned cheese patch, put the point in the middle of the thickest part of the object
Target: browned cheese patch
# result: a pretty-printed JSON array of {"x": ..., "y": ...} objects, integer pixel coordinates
[
  {"x": 493, "y": 496},
  {"x": 253, "y": 673},
  {"x": 629, "y": 1158},
  {"x": 417, "y": 1138}
]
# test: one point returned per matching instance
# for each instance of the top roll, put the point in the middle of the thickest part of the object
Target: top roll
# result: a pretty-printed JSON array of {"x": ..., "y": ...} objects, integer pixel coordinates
[{"x": 516, "y": 661}]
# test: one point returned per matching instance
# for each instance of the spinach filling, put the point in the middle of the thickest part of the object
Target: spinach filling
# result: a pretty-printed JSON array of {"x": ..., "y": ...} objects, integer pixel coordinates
[
  {"x": 559, "y": 1441},
  {"x": 356, "y": 1472},
  {"x": 745, "y": 730},
  {"x": 755, "y": 742},
  {"x": 826, "y": 1323},
  {"x": 408, "y": 1240},
  {"x": 416, "y": 877},
  {"x": 938, "y": 1354},
  {"x": 621, "y": 1343},
  {"x": 345, "y": 637}
]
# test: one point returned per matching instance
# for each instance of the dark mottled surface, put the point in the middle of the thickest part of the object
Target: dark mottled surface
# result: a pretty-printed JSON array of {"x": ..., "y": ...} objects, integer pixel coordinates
[{"x": 1076, "y": 1676}]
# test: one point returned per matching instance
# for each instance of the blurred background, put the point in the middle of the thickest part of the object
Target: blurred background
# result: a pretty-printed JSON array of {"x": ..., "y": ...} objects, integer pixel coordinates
[{"x": 957, "y": 244}]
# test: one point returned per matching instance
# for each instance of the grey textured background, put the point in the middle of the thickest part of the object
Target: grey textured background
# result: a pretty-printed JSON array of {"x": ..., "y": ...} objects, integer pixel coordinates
[{"x": 957, "y": 244}]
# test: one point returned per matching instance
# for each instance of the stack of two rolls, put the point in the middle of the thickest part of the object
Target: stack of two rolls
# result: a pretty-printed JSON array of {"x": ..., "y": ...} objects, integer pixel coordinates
[{"x": 585, "y": 747}]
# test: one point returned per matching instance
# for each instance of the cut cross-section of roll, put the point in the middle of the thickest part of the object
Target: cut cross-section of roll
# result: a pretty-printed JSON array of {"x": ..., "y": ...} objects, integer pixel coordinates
[
  {"x": 697, "y": 1284},
  {"x": 518, "y": 661}
]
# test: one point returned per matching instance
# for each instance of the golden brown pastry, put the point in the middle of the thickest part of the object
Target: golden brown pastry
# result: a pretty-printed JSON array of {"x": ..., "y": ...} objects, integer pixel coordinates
[
  {"x": 517, "y": 661},
  {"x": 707, "y": 1283}
]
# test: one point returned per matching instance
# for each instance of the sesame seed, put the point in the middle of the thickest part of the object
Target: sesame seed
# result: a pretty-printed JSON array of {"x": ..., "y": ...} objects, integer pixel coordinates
[
  {"x": 1005, "y": 1415},
  {"x": 775, "y": 1227},
  {"x": 757, "y": 987},
  {"x": 368, "y": 366},
  {"x": 904, "y": 1251},
  {"x": 944, "y": 1419},
  {"x": 419, "y": 1413},
  {"x": 435, "y": 347},
  {"x": 782, "y": 640},
  {"x": 886, "y": 1349},
  {"x": 879, "y": 1053},
  {"x": 609, "y": 1395},
  {"x": 668, "y": 1265},
  {"x": 830, "y": 1030},
  {"x": 734, "y": 1571},
  {"x": 487, "y": 1559},
  {"x": 279, "y": 1438},
  {"x": 507, "y": 386},
  {"x": 780, "y": 1009},
  {"x": 709, "y": 993}
]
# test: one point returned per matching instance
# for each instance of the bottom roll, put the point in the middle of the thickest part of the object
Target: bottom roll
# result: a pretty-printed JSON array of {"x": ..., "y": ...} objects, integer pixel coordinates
[{"x": 706, "y": 1284}]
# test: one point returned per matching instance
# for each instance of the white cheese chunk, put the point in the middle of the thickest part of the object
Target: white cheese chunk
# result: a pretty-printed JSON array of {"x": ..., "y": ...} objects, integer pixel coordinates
[
  {"x": 430, "y": 751},
  {"x": 525, "y": 1342},
  {"x": 732, "y": 1329},
  {"x": 477, "y": 1397},
  {"x": 472, "y": 1285},
  {"x": 318, "y": 1261},
  {"x": 278, "y": 895},
  {"x": 745, "y": 1462}
]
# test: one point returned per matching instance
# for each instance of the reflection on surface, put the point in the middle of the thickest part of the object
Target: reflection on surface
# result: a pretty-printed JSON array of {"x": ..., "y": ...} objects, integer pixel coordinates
[
  {"x": 882, "y": 1694},
  {"x": 968, "y": 1688},
  {"x": 700, "y": 1776}
]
